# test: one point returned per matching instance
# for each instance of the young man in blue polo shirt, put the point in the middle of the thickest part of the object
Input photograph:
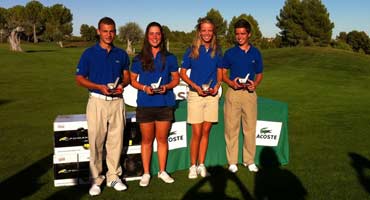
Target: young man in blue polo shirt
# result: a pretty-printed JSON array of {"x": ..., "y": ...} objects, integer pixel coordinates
[
  {"x": 243, "y": 61},
  {"x": 103, "y": 70}
]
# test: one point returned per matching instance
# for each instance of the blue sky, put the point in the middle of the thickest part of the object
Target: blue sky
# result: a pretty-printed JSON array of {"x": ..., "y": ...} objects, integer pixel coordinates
[{"x": 182, "y": 15}]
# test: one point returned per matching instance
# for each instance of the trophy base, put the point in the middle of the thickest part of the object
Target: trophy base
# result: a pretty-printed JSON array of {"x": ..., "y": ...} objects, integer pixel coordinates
[{"x": 157, "y": 90}]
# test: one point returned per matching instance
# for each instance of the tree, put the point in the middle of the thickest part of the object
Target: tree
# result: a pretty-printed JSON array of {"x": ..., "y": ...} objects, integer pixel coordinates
[
  {"x": 342, "y": 36},
  {"x": 359, "y": 41},
  {"x": 168, "y": 35},
  {"x": 256, "y": 33},
  {"x": 304, "y": 22},
  {"x": 3, "y": 14},
  {"x": 132, "y": 33},
  {"x": 59, "y": 23},
  {"x": 316, "y": 22},
  {"x": 33, "y": 14},
  {"x": 216, "y": 17},
  {"x": 15, "y": 17},
  {"x": 14, "y": 39},
  {"x": 88, "y": 33},
  {"x": 290, "y": 22},
  {"x": 3, "y": 24},
  {"x": 15, "y": 24}
]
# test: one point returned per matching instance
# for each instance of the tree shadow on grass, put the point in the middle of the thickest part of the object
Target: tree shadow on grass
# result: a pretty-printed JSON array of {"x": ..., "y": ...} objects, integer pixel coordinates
[
  {"x": 218, "y": 182},
  {"x": 272, "y": 182},
  {"x": 26, "y": 182},
  {"x": 39, "y": 51},
  {"x": 4, "y": 101},
  {"x": 70, "y": 192},
  {"x": 361, "y": 164}
]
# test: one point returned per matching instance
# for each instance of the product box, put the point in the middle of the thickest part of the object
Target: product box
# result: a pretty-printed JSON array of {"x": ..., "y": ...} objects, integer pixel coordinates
[
  {"x": 71, "y": 169},
  {"x": 132, "y": 166},
  {"x": 131, "y": 154},
  {"x": 70, "y": 134},
  {"x": 132, "y": 134}
]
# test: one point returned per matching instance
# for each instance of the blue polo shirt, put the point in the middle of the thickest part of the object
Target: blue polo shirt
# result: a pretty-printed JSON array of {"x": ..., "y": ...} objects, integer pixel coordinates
[
  {"x": 102, "y": 67},
  {"x": 148, "y": 77},
  {"x": 204, "y": 68},
  {"x": 242, "y": 62}
]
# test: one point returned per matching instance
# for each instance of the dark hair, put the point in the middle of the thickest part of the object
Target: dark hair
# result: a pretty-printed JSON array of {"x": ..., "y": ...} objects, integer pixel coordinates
[
  {"x": 146, "y": 56},
  {"x": 106, "y": 20},
  {"x": 242, "y": 23}
]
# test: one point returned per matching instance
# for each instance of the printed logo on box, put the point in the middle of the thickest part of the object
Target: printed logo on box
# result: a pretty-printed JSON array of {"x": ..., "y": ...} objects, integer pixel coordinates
[
  {"x": 268, "y": 133},
  {"x": 176, "y": 137}
]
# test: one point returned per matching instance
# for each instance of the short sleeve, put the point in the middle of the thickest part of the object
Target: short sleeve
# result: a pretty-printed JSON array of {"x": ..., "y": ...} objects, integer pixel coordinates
[
  {"x": 186, "y": 60},
  {"x": 125, "y": 61},
  {"x": 136, "y": 65},
  {"x": 226, "y": 60},
  {"x": 219, "y": 63},
  {"x": 172, "y": 63},
  {"x": 82, "y": 67},
  {"x": 259, "y": 62}
]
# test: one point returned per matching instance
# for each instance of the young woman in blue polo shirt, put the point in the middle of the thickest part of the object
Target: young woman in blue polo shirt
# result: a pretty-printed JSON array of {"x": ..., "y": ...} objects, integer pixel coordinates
[
  {"x": 154, "y": 112},
  {"x": 204, "y": 59}
]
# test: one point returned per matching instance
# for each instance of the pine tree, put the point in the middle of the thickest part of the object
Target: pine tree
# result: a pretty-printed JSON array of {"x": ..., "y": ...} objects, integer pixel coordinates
[
  {"x": 304, "y": 22},
  {"x": 256, "y": 33}
]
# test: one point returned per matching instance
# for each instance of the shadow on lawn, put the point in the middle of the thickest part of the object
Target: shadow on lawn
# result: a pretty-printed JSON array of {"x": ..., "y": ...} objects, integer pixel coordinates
[
  {"x": 4, "y": 101},
  {"x": 361, "y": 164},
  {"x": 26, "y": 182},
  {"x": 218, "y": 182},
  {"x": 38, "y": 51},
  {"x": 272, "y": 182}
]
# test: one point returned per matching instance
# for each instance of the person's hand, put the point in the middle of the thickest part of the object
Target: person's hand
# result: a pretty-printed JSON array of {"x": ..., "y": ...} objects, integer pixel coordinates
[
  {"x": 199, "y": 90},
  {"x": 118, "y": 90},
  {"x": 214, "y": 91},
  {"x": 251, "y": 85},
  {"x": 235, "y": 85},
  {"x": 163, "y": 89},
  {"x": 105, "y": 90},
  {"x": 148, "y": 90}
]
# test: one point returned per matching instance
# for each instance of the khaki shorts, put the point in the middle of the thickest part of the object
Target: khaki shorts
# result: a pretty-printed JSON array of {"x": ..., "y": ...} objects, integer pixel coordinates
[{"x": 202, "y": 109}]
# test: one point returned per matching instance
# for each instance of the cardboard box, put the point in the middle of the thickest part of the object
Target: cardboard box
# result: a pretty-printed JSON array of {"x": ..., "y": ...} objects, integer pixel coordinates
[
  {"x": 71, "y": 169},
  {"x": 132, "y": 166},
  {"x": 70, "y": 134}
]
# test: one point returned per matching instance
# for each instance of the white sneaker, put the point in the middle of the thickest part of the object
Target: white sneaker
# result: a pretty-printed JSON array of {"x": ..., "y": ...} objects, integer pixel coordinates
[
  {"x": 165, "y": 177},
  {"x": 193, "y": 172},
  {"x": 202, "y": 171},
  {"x": 117, "y": 185},
  {"x": 95, "y": 190},
  {"x": 253, "y": 168},
  {"x": 144, "y": 180},
  {"x": 233, "y": 168}
]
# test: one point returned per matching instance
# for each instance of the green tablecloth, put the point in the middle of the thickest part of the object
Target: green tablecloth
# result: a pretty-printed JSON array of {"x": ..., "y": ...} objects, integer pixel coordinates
[{"x": 268, "y": 110}]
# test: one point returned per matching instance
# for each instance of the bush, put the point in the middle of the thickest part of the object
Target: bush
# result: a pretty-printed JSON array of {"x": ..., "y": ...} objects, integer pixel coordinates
[{"x": 341, "y": 45}]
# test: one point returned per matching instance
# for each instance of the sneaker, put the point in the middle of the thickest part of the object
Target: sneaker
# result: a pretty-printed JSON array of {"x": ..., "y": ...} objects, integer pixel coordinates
[
  {"x": 202, "y": 170},
  {"x": 253, "y": 168},
  {"x": 165, "y": 177},
  {"x": 144, "y": 180},
  {"x": 95, "y": 190},
  {"x": 193, "y": 172},
  {"x": 117, "y": 185},
  {"x": 233, "y": 168}
]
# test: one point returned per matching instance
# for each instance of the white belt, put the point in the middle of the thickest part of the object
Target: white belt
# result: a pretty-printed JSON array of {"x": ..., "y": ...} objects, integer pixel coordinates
[{"x": 101, "y": 96}]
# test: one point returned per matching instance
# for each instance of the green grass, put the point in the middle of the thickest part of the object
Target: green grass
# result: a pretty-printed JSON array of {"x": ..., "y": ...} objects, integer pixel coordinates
[{"x": 329, "y": 114}]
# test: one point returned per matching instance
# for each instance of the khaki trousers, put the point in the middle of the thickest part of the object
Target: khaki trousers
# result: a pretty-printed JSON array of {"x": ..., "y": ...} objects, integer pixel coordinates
[
  {"x": 240, "y": 107},
  {"x": 105, "y": 121}
]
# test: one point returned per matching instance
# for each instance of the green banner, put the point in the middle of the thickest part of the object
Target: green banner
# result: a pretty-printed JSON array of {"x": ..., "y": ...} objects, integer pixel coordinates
[{"x": 268, "y": 110}]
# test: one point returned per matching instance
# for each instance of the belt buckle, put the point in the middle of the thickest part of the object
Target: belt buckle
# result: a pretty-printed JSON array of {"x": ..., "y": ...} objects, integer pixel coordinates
[{"x": 108, "y": 98}]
